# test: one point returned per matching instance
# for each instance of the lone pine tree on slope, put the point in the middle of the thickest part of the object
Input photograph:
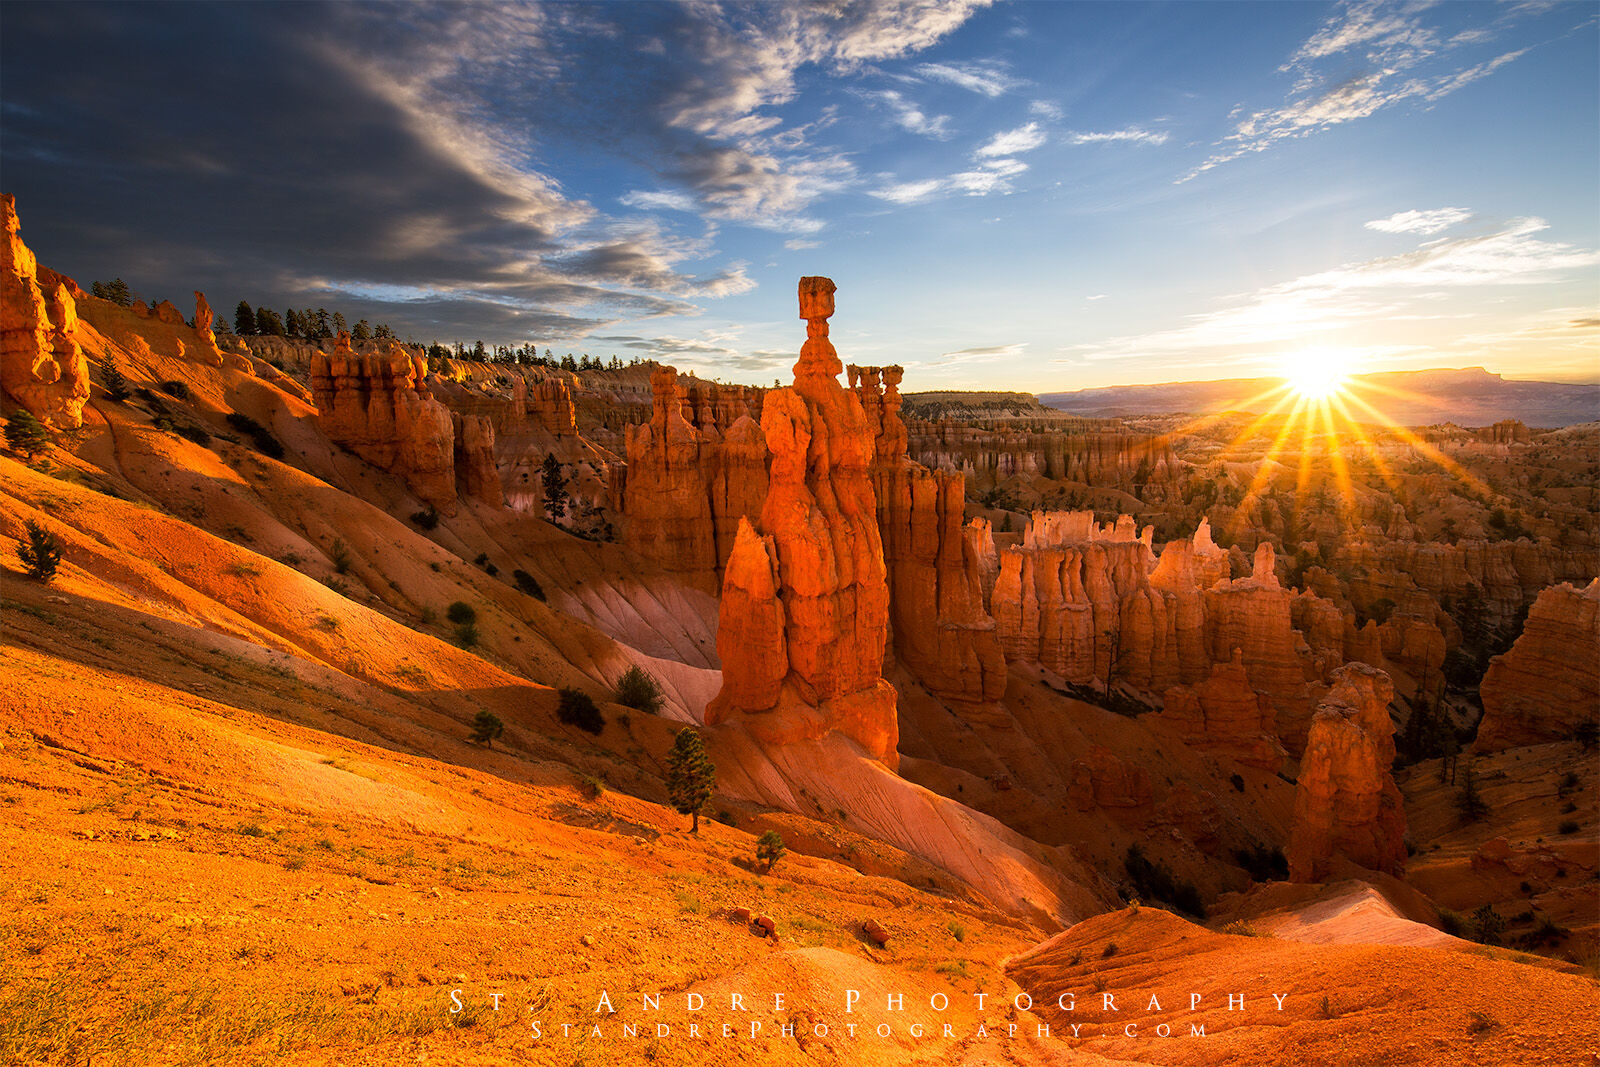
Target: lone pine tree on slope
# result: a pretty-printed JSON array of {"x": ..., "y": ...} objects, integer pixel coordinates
[{"x": 691, "y": 776}]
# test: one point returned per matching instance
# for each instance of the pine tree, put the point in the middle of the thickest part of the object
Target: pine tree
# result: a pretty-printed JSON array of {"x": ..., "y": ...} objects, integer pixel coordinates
[
  {"x": 339, "y": 325},
  {"x": 691, "y": 776},
  {"x": 769, "y": 849},
  {"x": 555, "y": 488},
  {"x": 244, "y": 319},
  {"x": 42, "y": 553},
  {"x": 486, "y": 726},
  {"x": 111, "y": 377},
  {"x": 27, "y": 434},
  {"x": 118, "y": 293},
  {"x": 361, "y": 331}
]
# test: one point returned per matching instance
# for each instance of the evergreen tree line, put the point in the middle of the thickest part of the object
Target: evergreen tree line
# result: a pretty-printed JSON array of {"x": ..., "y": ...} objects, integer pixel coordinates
[
  {"x": 309, "y": 324},
  {"x": 525, "y": 355}
]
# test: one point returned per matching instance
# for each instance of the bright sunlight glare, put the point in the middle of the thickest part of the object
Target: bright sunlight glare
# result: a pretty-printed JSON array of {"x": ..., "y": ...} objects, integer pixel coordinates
[{"x": 1316, "y": 374}]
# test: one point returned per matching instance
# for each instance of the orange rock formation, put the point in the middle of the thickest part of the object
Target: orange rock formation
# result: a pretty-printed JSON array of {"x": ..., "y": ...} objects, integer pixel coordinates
[
  {"x": 1346, "y": 803},
  {"x": 941, "y": 630},
  {"x": 694, "y": 471},
  {"x": 1548, "y": 684},
  {"x": 41, "y": 365},
  {"x": 816, "y": 569},
  {"x": 378, "y": 406}
]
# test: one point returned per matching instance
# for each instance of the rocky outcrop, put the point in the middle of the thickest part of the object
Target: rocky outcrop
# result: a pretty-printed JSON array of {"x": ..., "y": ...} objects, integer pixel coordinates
[
  {"x": 42, "y": 366},
  {"x": 1347, "y": 806},
  {"x": 941, "y": 630},
  {"x": 1254, "y": 617},
  {"x": 1101, "y": 453},
  {"x": 1092, "y": 604},
  {"x": 691, "y": 479},
  {"x": 1224, "y": 715},
  {"x": 1501, "y": 576},
  {"x": 819, "y": 542},
  {"x": 1102, "y": 780},
  {"x": 476, "y": 473},
  {"x": 375, "y": 404},
  {"x": 1548, "y": 684}
]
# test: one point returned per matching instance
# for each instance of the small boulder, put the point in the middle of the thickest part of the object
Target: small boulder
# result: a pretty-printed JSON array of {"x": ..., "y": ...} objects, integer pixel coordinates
[
  {"x": 740, "y": 915},
  {"x": 767, "y": 926},
  {"x": 875, "y": 932}
]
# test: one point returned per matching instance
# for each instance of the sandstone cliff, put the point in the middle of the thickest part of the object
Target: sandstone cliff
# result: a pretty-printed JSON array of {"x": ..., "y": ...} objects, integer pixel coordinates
[
  {"x": 1548, "y": 684},
  {"x": 378, "y": 406},
  {"x": 42, "y": 366},
  {"x": 820, "y": 554},
  {"x": 936, "y": 567},
  {"x": 694, "y": 471},
  {"x": 1347, "y": 806}
]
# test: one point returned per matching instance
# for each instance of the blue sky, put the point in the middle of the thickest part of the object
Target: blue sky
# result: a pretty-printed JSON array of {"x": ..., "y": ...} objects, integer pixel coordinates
[{"x": 1039, "y": 196}]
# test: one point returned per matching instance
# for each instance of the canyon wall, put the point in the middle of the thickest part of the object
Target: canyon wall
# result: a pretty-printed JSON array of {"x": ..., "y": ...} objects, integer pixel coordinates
[
  {"x": 1096, "y": 452},
  {"x": 1548, "y": 685},
  {"x": 936, "y": 566},
  {"x": 695, "y": 470},
  {"x": 378, "y": 406}
]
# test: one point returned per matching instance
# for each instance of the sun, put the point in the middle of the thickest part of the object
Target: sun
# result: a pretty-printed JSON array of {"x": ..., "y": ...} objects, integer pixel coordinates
[{"x": 1316, "y": 373}]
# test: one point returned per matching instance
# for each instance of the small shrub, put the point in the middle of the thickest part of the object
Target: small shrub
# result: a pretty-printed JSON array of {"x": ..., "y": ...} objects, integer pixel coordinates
[
  {"x": 1487, "y": 925},
  {"x": 486, "y": 726},
  {"x": 638, "y": 690},
  {"x": 427, "y": 520},
  {"x": 1264, "y": 864},
  {"x": 265, "y": 443},
  {"x": 1452, "y": 923},
  {"x": 769, "y": 849},
  {"x": 176, "y": 390},
  {"x": 116, "y": 384},
  {"x": 576, "y": 708},
  {"x": 467, "y": 635},
  {"x": 1238, "y": 783},
  {"x": 198, "y": 434},
  {"x": 252, "y": 830},
  {"x": 294, "y": 863},
  {"x": 41, "y": 553},
  {"x": 593, "y": 788},
  {"x": 460, "y": 612},
  {"x": 528, "y": 584},
  {"x": 1567, "y": 827},
  {"x": 429, "y": 616},
  {"x": 26, "y": 434},
  {"x": 957, "y": 931},
  {"x": 340, "y": 555},
  {"x": 1109, "y": 951}
]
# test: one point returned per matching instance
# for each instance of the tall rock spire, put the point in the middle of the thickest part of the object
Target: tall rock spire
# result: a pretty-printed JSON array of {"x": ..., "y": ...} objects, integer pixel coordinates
[{"x": 818, "y": 534}]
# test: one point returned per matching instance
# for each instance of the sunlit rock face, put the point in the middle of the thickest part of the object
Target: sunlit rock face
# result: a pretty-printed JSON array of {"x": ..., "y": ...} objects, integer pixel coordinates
[
  {"x": 1548, "y": 684},
  {"x": 376, "y": 405},
  {"x": 817, "y": 549},
  {"x": 936, "y": 566},
  {"x": 1347, "y": 806},
  {"x": 42, "y": 366},
  {"x": 695, "y": 470}
]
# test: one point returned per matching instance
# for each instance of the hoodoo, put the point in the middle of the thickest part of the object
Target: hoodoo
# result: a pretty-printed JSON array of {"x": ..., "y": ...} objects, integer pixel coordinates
[{"x": 818, "y": 534}]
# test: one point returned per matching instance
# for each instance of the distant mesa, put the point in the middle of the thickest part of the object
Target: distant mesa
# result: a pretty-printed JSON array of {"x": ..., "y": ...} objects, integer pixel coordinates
[{"x": 1470, "y": 396}]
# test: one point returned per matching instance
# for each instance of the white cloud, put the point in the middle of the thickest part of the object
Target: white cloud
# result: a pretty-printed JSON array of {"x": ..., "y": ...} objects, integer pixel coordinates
[
  {"x": 1022, "y": 139},
  {"x": 909, "y": 117},
  {"x": 1399, "y": 58},
  {"x": 1044, "y": 109},
  {"x": 987, "y": 79},
  {"x": 910, "y": 192},
  {"x": 1420, "y": 222},
  {"x": 1132, "y": 134},
  {"x": 656, "y": 200},
  {"x": 982, "y": 354},
  {"x": 798, "y": 245}
]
